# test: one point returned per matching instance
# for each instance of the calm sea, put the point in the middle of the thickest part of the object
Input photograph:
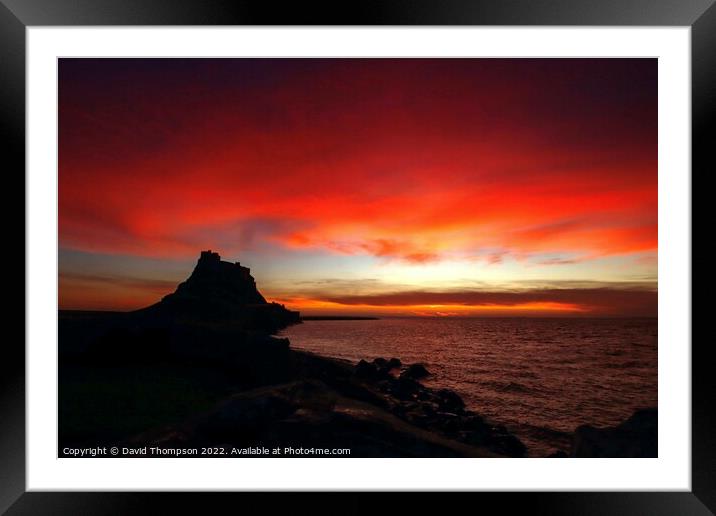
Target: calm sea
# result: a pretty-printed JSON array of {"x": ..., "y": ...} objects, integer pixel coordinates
[{"x": 539, "y": 377}]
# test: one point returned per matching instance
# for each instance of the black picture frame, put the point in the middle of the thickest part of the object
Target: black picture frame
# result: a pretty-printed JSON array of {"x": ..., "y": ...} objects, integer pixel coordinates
[{"x": 17, "y": 15}]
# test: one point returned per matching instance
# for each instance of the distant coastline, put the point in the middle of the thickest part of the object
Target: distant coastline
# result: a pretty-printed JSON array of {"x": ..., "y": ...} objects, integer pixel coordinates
[
  {"x": 80, "y": 312},
  {"x": 338, "y": 318}
]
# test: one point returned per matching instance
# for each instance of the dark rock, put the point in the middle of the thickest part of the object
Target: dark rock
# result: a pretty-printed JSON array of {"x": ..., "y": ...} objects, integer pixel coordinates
[
  {"x": 508, "y": 444},
  {"x": 380, "y": 363},
  {"x": 384, "y": 366},
  {"x": 475, "y": 422},
  {"x": 635, "y": 437},
  {"x": 447, "y": 422},
  {"x": 269, "y": 342},
  {"x": 394, "y": 363},
  {"x": 308, "y": 414},
  {"x": 450, "y": 401},
  {"x": 244, "y": 417},
  {"x": 418, "y": 418},
  {"x": 376, "y": 371},
  {"x": 496, "y": 438},
  {"x": 422, "y": 395},
  {"x": 404, "y": 388},
  {"x": 365, "y": 370},
  {"x": 429, "y": 409},
  {"x": 415, "y": 372},
  {"x": 216, "y": 279},
  {"x": 221, "y": 292}
]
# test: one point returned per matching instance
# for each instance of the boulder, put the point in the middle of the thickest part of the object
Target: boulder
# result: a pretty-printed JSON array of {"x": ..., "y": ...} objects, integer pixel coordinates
[
  {"x": 475, "y": 422},
  {"x": 365, "y": 370},
  {"x": 447, "y": 422},
  {"x": 380, "y": 363},
  {"x": 506, "y": 443},
  {"x": 385, "y": 366},
  {"x": 449, "y": 401},
  {"x": 415, "y": 372},
  {"x": 635, "y": 437},
  {"x": 404, "y": 388}
]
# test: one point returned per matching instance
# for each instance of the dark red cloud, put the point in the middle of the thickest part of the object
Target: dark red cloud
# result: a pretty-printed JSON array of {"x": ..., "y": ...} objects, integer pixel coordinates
[{"x": 599, "y": 301}]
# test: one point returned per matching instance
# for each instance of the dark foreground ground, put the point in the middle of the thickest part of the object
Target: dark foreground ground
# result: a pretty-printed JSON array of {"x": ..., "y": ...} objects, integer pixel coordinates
[{"x": 151, "y": 387}]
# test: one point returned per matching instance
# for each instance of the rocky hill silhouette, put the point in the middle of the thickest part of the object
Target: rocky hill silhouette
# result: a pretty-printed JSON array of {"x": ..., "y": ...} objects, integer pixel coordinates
[{"x": 222, "y": 292}]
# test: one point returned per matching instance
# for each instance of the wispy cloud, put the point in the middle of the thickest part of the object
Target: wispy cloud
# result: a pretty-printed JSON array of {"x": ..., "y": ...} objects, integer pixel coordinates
[{"x": 119, "y": 281}]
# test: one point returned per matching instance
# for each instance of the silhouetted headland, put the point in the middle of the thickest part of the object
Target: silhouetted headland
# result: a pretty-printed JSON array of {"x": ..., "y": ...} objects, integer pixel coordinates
[
  {"x": 201, "y": 368},
  {"x": 222, "y": 292}
]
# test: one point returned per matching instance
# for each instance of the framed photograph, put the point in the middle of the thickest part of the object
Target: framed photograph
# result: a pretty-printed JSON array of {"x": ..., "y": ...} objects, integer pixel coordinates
[{"x": 418, "y": 247}]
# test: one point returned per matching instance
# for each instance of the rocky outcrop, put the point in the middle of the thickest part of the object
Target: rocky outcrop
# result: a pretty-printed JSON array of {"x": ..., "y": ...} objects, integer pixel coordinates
[
  {"x": 308, "y": 414},
  {"x": 222, "y": 292},
  {"x": 380, "y": 368},
  {"x": 217, "y": 280},
  {"x": 635, "y": 437},
  {"x": 441, "y": 410},
  {"x": 415, "y": 372},
  {"x": 323, "y": 403}
]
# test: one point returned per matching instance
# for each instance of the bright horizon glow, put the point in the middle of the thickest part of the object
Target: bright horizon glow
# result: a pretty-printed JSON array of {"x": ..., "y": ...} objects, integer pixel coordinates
[{"x": 314, "y": 306}]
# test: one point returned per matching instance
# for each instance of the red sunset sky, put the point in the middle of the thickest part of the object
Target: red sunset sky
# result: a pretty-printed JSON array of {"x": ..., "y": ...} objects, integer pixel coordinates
[{"x": 382, "y": 186}]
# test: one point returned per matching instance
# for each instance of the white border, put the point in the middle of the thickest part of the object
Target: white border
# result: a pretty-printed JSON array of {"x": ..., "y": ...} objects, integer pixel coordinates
[{"x": 671, "y": 471}]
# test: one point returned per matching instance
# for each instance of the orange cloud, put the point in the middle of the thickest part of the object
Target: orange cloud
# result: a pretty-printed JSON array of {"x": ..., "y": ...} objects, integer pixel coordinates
[
  {"x": 318, "y": 306},
  {"x": 588, "y": 301}
]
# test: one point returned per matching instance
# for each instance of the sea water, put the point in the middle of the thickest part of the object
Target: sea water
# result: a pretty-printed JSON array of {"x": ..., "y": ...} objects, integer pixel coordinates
[{"x": 541, "y": 378}]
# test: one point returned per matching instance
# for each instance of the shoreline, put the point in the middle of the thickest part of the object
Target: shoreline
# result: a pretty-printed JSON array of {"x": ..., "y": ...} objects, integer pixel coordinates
[{"x": 543, "y": 437}]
